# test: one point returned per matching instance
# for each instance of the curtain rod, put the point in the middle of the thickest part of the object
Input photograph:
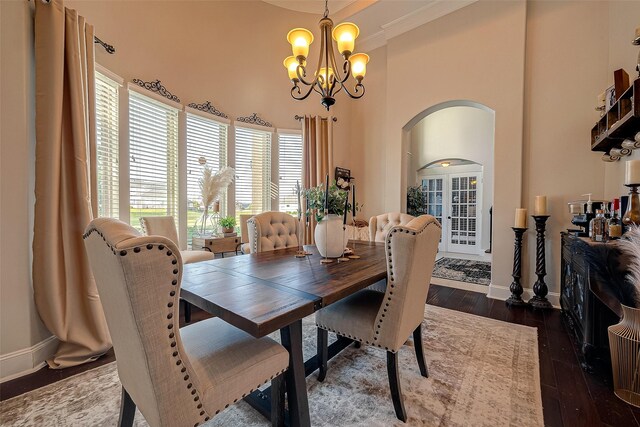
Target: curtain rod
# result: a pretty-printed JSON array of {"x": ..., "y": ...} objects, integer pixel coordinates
[
  {"x": 108, "y": 47},
  {"x": 298, "y": 118}
]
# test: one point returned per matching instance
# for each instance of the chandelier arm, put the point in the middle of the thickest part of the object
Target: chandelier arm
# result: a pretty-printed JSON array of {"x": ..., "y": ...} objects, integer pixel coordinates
[
  {"x": 305, "y": 96},
  {"x": 340, "y": 87},
  {"x": 346, "y": 70},
  {"x": 357, "y": 94},
  {"x": 301, "y": 71}
]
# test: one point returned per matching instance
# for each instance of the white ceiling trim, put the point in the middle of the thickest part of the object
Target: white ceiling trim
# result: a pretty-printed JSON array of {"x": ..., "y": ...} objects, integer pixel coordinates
[{"x": 410, "y": 21}]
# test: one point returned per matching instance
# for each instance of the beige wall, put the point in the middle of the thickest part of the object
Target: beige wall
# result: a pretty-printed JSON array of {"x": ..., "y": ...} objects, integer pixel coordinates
[
  {"x": 624, "y": 18},
  {"x": 20, "y": 326},
  {"x": 475, "y": 54},
  {"x": 227, "y": 52}
]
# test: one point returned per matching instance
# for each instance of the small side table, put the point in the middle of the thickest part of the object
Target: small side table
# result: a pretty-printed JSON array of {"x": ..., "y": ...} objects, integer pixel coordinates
[{"x": 217, "y": 245}]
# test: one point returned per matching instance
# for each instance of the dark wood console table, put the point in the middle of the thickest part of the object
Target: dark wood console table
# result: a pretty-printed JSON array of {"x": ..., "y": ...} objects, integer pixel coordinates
[{"x": 589, "y": 301}]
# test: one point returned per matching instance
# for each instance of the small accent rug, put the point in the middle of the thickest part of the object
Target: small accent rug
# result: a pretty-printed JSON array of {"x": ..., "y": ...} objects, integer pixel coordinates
[
  {"x": 483, "y": 372},
  {"x": 463, "y": 270}
]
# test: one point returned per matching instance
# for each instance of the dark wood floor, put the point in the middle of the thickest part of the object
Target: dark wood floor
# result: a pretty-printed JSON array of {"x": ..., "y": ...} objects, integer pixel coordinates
[{"x": 570, "y": 396}]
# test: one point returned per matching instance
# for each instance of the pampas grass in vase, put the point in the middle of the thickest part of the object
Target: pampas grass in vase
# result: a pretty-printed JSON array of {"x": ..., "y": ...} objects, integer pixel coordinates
[
  {"x": 212, "y": 186},
  {"x": 624, "y": 337}
]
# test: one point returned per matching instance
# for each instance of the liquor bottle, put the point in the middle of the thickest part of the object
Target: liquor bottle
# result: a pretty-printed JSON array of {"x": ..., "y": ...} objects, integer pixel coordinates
[
  {"x": 615, "y": 225},
  {"x": 599, "y": 227}
]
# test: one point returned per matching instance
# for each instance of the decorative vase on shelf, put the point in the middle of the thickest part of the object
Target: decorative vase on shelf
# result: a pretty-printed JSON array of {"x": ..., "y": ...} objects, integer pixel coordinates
[
  {"x": 331, "y": 239},
  {"x": 624, "y": 343}
]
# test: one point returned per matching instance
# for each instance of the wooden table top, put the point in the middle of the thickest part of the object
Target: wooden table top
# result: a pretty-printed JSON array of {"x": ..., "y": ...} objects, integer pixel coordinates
[{"x": 261, "y": 293}]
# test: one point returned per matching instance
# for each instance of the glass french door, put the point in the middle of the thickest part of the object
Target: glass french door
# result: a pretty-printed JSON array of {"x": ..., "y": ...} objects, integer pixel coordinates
[
  {"x": 464, "y": 214},
  {"x": 435, "y": 191}
]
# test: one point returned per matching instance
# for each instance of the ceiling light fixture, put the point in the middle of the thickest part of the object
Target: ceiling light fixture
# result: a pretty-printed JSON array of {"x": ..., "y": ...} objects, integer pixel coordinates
[
  {"x": 445, "y": 164},
  {"x": 327, "y": 80}
]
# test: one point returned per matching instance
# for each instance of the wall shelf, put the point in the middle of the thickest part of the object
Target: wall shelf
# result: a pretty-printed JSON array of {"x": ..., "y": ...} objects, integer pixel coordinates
[{"x": 620, "y": 122}]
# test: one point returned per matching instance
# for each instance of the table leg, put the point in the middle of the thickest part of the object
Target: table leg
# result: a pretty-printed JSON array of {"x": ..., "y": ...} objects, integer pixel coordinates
[{"x": 291, "y": 337}]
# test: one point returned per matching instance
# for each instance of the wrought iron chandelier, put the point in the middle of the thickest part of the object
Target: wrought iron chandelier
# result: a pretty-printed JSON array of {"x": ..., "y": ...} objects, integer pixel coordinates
[{"x": 328, "y": 80}]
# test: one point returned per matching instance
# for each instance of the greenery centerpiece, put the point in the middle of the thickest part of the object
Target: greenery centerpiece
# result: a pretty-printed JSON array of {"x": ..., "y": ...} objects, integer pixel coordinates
[
  {"x": 330, "y": 235},
  {"x": 338, "y": 197}
]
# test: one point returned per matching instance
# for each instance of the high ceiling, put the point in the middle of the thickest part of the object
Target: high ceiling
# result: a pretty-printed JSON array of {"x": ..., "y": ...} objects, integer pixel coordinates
[{"x": 379, "y": 20}]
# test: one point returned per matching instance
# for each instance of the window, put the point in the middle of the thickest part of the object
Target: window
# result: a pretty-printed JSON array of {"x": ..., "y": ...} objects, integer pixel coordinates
[
  {"x": 153, "y": 158},
  {"x": 206, "y": 145},
  {"x": 253, "y": 171},
  {"x": 107, "y": 145},
  {"x": 290, "y": 170}
]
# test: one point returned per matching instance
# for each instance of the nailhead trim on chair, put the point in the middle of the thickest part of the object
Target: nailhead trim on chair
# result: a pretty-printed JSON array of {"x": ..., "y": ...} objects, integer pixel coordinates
[
  {"x": 252, "y": 390},
  {"x": 174, "y": 299}
]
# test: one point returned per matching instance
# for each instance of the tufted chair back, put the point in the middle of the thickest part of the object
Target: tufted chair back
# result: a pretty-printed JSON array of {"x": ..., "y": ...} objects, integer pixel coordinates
[
  {"x": 411, "y": 253},
  {"x": 380, "y": 225},
  {"x": 160, "y": 226},
  {"x": 269, "y": 231},
  {"x": 138, "y": 279}
]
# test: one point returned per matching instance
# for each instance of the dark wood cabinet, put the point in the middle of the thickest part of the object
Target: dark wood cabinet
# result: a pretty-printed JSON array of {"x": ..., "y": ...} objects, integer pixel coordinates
[{"x": 588, "y": 304}]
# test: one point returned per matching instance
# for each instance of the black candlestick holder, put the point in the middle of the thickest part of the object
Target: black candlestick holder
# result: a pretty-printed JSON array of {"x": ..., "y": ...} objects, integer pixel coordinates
[
  {"x": 515, "y": 300},
  {"x": 540, "y": 289}
]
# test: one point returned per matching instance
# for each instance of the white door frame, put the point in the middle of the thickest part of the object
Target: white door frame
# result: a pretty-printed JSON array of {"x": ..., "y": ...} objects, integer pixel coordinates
[
  {"x": 451, "y": 247},
  {"x": 442, "y": 246}
]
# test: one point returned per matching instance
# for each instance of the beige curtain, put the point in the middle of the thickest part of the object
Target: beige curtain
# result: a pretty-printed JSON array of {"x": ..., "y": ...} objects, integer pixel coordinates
[
  {"x": 317, "y": 158},
  {"x": 65, "y": 292}
]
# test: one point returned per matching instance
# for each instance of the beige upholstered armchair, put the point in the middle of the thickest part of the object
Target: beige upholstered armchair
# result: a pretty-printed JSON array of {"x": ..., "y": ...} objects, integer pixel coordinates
[
  {"x": 269, "y": 231},
  {"x": 245, "y": 247},
  {"x": 166, "y": 226},
  {"x": 380, "y": 225},
  {"x": 176, "y": 377},
  {"x": 387, "y": 319}
]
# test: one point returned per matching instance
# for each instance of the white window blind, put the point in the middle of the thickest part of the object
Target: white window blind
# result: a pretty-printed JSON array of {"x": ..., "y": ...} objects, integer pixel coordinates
[
  {"x": 253, "y": 171},
  {"x": 153, "y": 158},
  {"x": 206, "y": 145},
  {"x": 290, "y": 170},
  {"x": 107, "y": 146}
]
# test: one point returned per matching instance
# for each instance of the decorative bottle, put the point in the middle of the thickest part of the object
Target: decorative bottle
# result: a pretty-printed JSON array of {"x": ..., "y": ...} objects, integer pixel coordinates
[
  {"x": 599, "y": 227},
  {"x": 615, "y": 225}
]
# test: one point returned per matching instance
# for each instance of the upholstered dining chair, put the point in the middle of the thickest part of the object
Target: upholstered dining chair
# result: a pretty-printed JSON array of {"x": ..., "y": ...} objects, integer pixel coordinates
[
  {"x": 176, "y": 377},
  {"x": 386, "y": 320},
  {"x": 379, "y": 226},
  {"x": 245, "y": 247},
  {"x": 270, "y": 231},
  {"x": 165, "y": 226}
]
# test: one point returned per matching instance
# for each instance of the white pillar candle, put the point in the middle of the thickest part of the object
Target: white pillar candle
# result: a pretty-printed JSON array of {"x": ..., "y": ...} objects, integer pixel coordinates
[
  {"x": 521, "y": 218},
  {"x": 632, "y": 173},
  {"x": 540, "y": 206}
]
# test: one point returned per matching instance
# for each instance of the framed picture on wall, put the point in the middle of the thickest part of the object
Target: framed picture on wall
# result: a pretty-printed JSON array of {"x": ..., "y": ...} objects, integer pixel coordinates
[
  {"x": 343, "y": 173},
  {"x": 610, "y": 97}
]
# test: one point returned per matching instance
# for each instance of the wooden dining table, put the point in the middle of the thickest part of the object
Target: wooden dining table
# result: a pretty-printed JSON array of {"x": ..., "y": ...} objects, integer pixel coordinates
[{"x": 262, "y": 293}]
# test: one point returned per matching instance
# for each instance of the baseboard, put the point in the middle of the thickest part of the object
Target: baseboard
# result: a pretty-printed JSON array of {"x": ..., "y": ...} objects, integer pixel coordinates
[
  {"x": 460, "y": 285},
  {"x": 503, "y": 292},
  {"x": 27, "y": 360}
]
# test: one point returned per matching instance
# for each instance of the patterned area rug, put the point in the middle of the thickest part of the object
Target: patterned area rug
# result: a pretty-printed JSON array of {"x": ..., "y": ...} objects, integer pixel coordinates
[
  {"x": 483, "y": 372},
  {"x": 463, "y": 270}
]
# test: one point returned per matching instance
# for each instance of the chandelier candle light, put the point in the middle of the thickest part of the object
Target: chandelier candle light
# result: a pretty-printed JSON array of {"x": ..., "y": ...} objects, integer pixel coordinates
[{"x": 328, "y": 80}]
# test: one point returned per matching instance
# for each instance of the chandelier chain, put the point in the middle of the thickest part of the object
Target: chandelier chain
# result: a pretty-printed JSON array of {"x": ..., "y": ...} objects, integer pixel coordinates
[{"x": 326, "y": 8}]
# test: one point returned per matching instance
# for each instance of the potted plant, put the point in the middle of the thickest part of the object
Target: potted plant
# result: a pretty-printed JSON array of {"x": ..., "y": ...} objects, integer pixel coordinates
[
  {"x": 227, "y": 223},
  {"x": 330, "y": 235}
]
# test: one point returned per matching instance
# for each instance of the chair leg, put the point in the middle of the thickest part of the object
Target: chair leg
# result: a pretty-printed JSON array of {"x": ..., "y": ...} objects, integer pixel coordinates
[
  {"x": 417, "y": 343},
  {"x": 394, "y": 385},
  {"x": 277, "y": 401},
  {"x": 187, "y": 311},
  {"x": 323, "y": 353},
  {"x": 127, "y": 410}
]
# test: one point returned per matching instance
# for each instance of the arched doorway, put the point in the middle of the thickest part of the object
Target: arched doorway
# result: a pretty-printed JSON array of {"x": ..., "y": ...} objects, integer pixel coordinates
[{"x": 450, "y": 159}]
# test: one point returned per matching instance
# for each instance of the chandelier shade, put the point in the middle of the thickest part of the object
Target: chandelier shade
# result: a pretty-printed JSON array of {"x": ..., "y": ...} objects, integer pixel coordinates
[{"x": 330, "y": 76}]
